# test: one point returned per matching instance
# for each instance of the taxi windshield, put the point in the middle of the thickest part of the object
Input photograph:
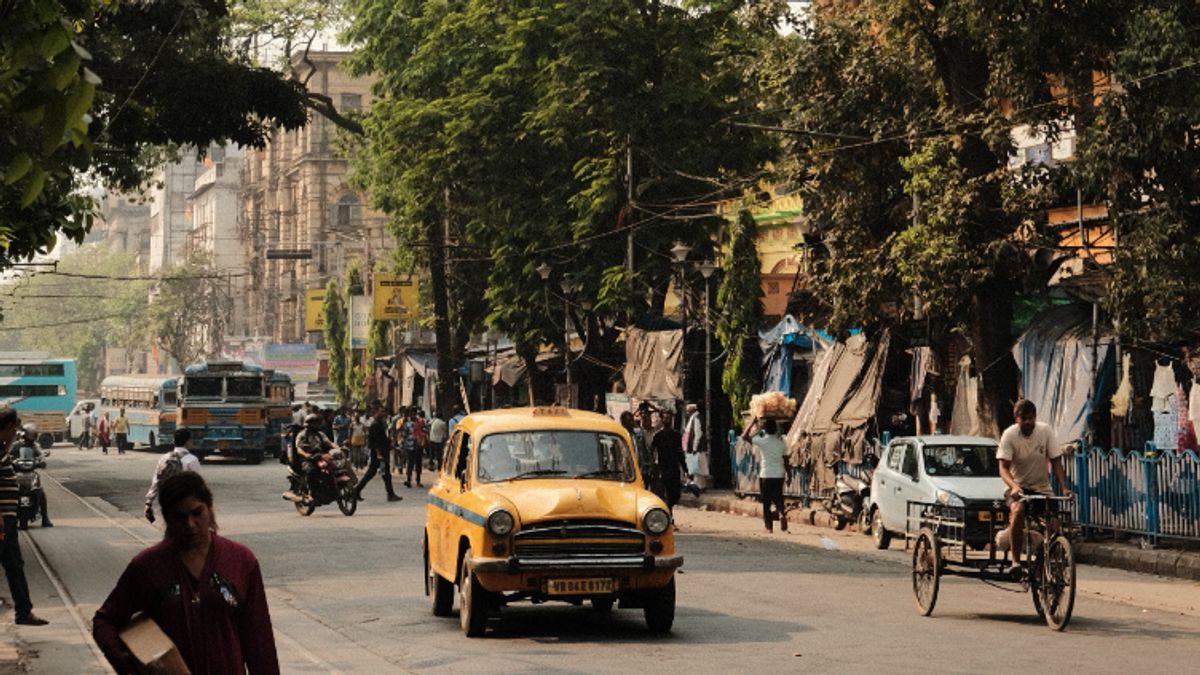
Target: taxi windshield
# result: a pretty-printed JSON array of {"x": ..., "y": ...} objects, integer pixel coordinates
[{"x": 523, "y": 455}]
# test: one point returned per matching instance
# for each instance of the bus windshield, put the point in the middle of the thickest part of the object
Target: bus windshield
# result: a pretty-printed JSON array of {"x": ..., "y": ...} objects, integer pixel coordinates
[
  {"x": 244, "y": 387},
  {"x": 204, "y": 387}
]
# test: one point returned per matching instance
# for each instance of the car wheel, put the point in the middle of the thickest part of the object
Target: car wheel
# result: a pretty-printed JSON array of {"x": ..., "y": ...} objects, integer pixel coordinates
[
  {"x": 882, "y": 537},
  {"x": 660, "y": 608},
  {"x": 864, "y": 522},
  {"x": 440, "y": 591},
  {"x": 472, "y": 601}
]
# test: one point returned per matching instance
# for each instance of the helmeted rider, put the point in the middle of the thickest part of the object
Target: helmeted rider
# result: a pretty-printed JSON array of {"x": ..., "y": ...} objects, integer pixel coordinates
[{"x": 311, "y": 443}]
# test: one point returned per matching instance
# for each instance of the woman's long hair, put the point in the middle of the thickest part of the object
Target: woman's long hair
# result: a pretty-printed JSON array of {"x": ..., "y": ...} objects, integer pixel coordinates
[{"x": 171, "y": 494}]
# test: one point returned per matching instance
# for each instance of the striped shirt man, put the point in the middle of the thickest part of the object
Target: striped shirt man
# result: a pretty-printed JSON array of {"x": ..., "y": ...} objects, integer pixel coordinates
[{"x": 8, "y": 487}]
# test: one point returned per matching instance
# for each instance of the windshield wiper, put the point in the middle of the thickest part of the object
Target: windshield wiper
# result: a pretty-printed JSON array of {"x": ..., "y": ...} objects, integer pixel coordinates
[
  {"x": 602, "y": 472},
  {"x": 538, "y": 472}
]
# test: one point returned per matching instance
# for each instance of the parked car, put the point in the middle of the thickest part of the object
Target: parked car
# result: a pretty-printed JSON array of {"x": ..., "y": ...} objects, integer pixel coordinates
[
  {"x": 83, "y": 408},
  {"x": 546, "y": 504},
  {"x": 947, "y": 470}
]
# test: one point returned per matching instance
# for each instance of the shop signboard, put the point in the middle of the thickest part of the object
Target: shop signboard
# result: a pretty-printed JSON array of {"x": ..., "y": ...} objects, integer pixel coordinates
[
  {"x": 396, "y": 297},
  {"x": 360, "y": 321},
  {"x": 314, "y": 316},
  {"x": 297, "y": 359}
]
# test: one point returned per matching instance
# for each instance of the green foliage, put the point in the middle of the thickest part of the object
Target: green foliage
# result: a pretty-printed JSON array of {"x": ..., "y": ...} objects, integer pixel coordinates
[
  {"x": 96, "y": 87},
  {"x": 79, "y": 314},
  {"x": 739, "y": 299},
  {"x": 510, "y": 124},
  {"x": 188, "y": 311},
  {"x": 336, "y": 334}
]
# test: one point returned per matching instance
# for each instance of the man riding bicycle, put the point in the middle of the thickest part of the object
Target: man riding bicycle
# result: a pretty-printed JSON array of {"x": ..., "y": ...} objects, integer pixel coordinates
[{"x": 1025, "y": 448}]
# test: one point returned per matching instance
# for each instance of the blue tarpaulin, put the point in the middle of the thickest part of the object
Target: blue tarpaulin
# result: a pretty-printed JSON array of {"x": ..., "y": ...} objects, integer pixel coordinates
[{"x": 778, "y": 345}]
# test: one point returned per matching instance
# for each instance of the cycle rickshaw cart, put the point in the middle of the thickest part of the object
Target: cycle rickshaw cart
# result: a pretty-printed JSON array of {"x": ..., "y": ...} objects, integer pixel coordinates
[{"x": 960, "y": 540}]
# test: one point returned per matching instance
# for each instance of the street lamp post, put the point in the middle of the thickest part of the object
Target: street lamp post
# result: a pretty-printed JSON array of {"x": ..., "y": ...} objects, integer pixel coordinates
[
  {"x": 679, "y": 253},
  {"x": 706, "y": 269},
  {"x": 544, "y": 271}
]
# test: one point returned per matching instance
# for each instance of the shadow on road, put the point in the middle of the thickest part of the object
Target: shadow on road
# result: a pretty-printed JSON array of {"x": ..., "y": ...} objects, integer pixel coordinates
[
  {"x": 568, "y": 625},
  {"x": 1083, "y": 625}
]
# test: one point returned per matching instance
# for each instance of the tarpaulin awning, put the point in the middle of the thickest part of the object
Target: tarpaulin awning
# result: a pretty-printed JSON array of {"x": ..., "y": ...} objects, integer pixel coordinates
[
  {"x": 831, "y": 423},
  {"x": 652, "y": 363},
  {"x": 1055, "y": 358},
  {"x": 778, "y": 344}
]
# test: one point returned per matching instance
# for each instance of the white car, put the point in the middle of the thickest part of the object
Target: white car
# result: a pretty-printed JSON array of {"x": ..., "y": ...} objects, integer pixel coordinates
[
  {"x": 950, "y": 470},
  {"x": 83, "y": 409}
]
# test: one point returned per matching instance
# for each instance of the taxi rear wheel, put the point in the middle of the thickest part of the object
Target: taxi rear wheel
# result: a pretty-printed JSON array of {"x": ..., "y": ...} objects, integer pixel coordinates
[
  {"x": 660, "y": 608},
  {"x": 440, "y": 591},
  {"x": 473, "y": 601}
]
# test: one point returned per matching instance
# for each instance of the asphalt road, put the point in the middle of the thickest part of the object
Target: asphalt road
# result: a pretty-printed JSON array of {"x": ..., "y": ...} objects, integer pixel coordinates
[{"x": 346, "y": 595}]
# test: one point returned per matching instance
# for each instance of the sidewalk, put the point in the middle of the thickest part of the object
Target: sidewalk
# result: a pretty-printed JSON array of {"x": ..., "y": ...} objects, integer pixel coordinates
[{"x": 1129, "y": 557}]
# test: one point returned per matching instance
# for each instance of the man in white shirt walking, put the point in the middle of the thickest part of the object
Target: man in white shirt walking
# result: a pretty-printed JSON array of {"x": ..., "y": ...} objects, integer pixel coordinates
[
  {"x": 772, "y": 471},
  {"x": 177, "y": 460}
]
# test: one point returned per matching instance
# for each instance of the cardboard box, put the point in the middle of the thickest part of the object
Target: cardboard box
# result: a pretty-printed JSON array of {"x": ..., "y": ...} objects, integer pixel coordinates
[{"x": 153, "y": 649}]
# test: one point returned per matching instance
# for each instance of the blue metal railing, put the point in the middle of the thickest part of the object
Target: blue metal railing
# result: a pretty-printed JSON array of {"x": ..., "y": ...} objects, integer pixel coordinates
[{"x": 1153, "y": 493}]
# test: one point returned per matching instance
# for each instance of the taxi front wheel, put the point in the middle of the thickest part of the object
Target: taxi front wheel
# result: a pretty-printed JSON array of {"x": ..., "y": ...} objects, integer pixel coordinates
[
  {"x": 660, "y": 608},
  {"x": 473, "y": 601}
]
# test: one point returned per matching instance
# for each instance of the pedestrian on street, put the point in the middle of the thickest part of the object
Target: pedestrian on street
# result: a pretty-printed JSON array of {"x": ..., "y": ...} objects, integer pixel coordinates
[
  {"x": 380, "y": 449},
  {"x": 104, "y": 431},
  {"x": 772, "y": 469},
  {"x": 10, "y": 547},
  {"x": 341, "y": 427},
  {"x": 693, "y": 438},
  {"x": 298, "y": 413},
  {"x": 420, "y": 432},
  {"x": 396, "y": 434},
  {"x": 358, "y": 441},
  {"x": 204, "y": 591},
  {"x": 455, "y": 419},
  {"x": 177, "y": 460},
  {"x": 668, "y": 456},
  {"x": 27, "y": 449},
  {"x": 438, "y": 433},
  {"x": 89, "y": 425},
  {"x": 121, "y": 431},
  {"x": 410, "y": 451}
]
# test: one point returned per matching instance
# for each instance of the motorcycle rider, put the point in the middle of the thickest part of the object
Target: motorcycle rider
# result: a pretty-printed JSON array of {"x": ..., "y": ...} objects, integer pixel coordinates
[
  {"x": 28, "y": 450},
  {"x": 311, "y": 444}
]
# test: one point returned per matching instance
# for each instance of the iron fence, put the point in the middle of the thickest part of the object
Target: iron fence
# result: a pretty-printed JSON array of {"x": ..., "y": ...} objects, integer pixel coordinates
[{"x": 1152, "y": 493}]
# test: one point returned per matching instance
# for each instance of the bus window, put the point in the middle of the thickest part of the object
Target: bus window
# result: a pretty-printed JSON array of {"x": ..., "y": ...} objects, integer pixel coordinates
[
  {"x": 169, "y": 400},
  {"x": 203, "y": 387},
  {"x": 243, "y": 387}
]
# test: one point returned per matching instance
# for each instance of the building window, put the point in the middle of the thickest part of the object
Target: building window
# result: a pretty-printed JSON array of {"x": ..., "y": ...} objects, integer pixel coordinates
[
  {"x": 351, "y": 103},
  {"x": 346, "y": 208}
]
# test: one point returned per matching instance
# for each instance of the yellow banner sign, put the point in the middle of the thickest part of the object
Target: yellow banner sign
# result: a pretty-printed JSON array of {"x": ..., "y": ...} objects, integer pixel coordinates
[
  {"x": 314, "y": 314},
  {"x": 397, "y": 297}
]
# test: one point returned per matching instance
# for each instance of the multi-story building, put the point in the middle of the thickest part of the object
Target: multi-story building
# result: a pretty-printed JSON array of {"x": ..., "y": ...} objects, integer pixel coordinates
[
  {"x": 296, "y": 198},
  {"x": 124, "y": 224},
  {"x": 170, "y": 215},
  {"x": 215, "y": 235}
]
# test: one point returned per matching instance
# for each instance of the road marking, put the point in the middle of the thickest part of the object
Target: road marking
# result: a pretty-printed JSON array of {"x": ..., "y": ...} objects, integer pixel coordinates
[
  {"x": 73, "y": 609},
  {"x": 69, "y": 602}
]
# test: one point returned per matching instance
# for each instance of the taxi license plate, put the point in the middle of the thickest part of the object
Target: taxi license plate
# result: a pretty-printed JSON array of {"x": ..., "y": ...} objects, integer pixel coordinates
[
  {"x": 580, "y": 586},
  {"x": 987, "y": 515}
]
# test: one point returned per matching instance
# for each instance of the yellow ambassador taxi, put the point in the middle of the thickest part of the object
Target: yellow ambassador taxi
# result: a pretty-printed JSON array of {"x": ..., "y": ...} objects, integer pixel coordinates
[{"x": 546, "y": 504}]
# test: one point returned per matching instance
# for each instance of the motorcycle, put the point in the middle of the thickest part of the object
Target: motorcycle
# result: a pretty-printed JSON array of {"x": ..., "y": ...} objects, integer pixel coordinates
[
  {"x": 851, "y": 494},
  {"x": 332, "y": 481},
  {"x": 29, "y": 486}
]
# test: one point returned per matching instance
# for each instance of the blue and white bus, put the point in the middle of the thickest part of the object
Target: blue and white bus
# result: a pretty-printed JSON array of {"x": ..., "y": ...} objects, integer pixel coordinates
[
  {"x": 149, "y": 402},
  {"x": 224, "y": 404},
  {"x": 41, "y": 389}
]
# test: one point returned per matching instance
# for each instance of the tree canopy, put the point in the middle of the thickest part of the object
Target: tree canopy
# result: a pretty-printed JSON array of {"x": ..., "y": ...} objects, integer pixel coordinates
[{"x": 509, "y": 126}]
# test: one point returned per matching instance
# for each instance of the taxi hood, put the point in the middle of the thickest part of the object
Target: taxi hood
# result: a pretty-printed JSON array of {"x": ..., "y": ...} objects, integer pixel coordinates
[{"x": 554, "y": 499}]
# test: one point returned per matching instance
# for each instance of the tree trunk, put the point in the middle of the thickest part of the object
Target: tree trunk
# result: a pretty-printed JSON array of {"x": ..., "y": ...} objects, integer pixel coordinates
[
  {"x": 992, "y": 342},
  {"x": 447, "y": 378}
]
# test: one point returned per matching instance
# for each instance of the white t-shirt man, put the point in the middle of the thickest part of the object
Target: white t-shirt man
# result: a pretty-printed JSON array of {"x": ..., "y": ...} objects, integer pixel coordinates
[
  {"x": 773, "y": 453},
  {"x": 1030, "y": 455}
]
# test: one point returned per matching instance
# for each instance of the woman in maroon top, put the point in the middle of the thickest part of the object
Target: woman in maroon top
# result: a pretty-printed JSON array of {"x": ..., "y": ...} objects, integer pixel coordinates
[{"x": 204, "y": 591}]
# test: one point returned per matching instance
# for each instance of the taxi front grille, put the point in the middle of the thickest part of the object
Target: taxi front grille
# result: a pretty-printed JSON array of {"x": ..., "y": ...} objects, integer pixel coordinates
[
  {"x": 579, "y": 529},
  {"x": 571, "y": 550}
]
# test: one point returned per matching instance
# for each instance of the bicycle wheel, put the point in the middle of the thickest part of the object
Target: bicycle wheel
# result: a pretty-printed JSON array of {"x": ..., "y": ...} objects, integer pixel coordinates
[
  {"x": 927, "y": 571},
  {"x": 1057, "y": 587}
]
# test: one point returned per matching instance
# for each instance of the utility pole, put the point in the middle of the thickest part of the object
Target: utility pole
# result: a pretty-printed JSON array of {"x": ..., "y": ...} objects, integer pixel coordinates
[{"x": 629, "y": 209}]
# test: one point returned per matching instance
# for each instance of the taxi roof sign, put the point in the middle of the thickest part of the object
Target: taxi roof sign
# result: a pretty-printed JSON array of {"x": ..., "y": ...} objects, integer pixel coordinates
[{"x": 550, "y": 411}]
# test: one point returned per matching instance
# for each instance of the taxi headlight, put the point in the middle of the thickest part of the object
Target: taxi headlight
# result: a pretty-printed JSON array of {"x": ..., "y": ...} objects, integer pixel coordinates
[
  {"x": 947, "y": 498},
  {"x": 500, "y": 523},
  {"x": 656, "y": 520}
]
